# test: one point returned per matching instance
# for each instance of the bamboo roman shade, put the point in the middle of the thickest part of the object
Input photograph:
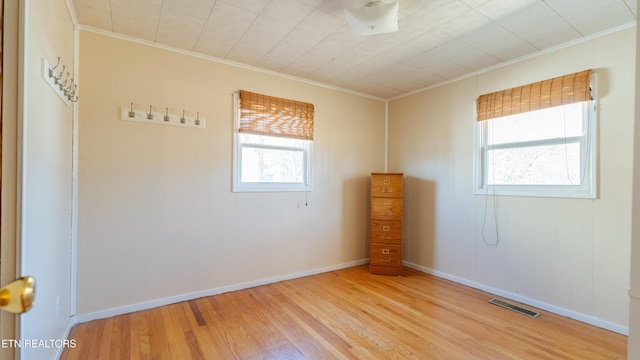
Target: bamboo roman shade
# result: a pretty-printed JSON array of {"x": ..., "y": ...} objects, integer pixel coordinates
[
  {"x": 268, "y": 115},
  {"x": 558, "y": 91}
]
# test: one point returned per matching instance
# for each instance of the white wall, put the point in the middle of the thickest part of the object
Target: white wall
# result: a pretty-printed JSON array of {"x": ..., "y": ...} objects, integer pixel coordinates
[
  {"x": 157, "y": 219},
  {"x": 567, "y": 255},
  {"x": 46, "y": 162},
  {"x": 634, "y": 292}
]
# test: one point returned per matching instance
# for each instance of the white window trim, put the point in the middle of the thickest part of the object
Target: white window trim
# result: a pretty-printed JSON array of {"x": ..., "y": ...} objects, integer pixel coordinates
[
  {"x": 586, "y": 190},
  {"x": 240, "y": 186}
]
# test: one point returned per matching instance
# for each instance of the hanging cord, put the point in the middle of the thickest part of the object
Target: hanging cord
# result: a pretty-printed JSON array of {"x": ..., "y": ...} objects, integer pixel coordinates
[
  {"x": 587, "y": 153},
  {"x": 590, "y": 115},
  {"x": 306, "y": 191},
  {"x": 486, "y": 206},
  {"x": 566, "y": 150},
  {"x": 495, "y": 217}
]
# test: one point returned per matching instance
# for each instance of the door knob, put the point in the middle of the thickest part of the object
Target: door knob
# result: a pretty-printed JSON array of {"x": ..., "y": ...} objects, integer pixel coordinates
[{"x": 17, "y": 297}]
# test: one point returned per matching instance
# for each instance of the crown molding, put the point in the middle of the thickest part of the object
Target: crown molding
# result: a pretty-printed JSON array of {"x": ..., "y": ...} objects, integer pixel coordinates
[{"x": 223, "y": 61}]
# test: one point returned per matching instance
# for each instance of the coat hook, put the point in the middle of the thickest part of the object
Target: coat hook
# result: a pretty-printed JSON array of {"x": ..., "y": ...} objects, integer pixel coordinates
[
  {"x": 150, "y": 115},
  {"x": 198, "y": 118},
  {"x": 72, "y": 91},
  {"x": 58, "y": 63},
  {"x": 63, "y": 84},
  {"x": 131, "y": 112},
  {"x": 182, "y": 119},
  {"x": 67, "y": 90},
  {"x": 166, "y": 115},
  {"x": 53, "y": 68},
  {"x": 57, "y": 78}
]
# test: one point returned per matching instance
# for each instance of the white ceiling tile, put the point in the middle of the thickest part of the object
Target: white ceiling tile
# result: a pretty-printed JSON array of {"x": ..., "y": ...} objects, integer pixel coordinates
[
  {"x": 252, "y": 6},
  {"x": 102, "y": 5},
  {"x": 292, "y": 47},
  {"x": 408, "y": 7},
  {"x": 498, "y": 42},
  {"x": 314, "y": 3},
  {"x": 179, "y": 30},
  {"x": 464, "y": 55},
  {"x": 321, "y": 23},
  {"x": 307, "y": 63},
  {"x": 337, "y": 43},
  {"x": 438, "y": 12},
  {"x": 430, "y": 40},
  {"x": 437, "y": 65},
  {"x": 392, "y": 60},
  {"x": 94, "y": 17},
  {"x": 499, "y": 9},
  {"x": 633, "y": 6},
  {"x": 540, "y": 26},
  {"x": 592, "y": 16},
  {"x": 246, "y": 54},
  {"x": 215, "y": 45},
  {"x": 424, "y": 77},
  {"x": 146, "y": 10},
  {"x": 136, "y": 26},
  {"x": 261, "y": 37},
  {"x": 337, "y": 8},
  {"x": 430, "y": 16},
  {"x": 287, "y": 11},
  {"x": 223, "y": 30},
  {"x": 197, "y": 8},
  {"x": 466, "y": 23},
  {"x": 474, "y": 3}
]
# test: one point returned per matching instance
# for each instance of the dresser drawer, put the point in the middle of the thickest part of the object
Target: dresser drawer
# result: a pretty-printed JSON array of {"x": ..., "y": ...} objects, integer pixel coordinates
[
  {"x": 386, "y": 255},
  {"x": 387, "y": 232},
  {"x": 386, "y": 209},
  {"x": 386, "y": 185}
]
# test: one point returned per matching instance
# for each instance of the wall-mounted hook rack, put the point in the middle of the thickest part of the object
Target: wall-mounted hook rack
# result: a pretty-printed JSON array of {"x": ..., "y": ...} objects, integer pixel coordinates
[
  {"x": 166, "y": 118},
  {"x": 61, "y": 82}
]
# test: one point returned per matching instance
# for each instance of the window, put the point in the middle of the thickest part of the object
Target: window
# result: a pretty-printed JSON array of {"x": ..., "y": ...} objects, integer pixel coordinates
[
  {"x": 272, "y": 143},
  {"x": 546, "y": 150}
]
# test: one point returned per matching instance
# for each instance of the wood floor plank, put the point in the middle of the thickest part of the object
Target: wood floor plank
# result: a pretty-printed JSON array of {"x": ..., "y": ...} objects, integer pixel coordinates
[{"x": 345, "y": 314}]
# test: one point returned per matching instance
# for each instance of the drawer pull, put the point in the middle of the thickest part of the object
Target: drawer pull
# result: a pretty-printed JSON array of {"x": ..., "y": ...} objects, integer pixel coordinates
[
  {"x": 387, "y": 205},
  {"x": 387, "y": 182},
  {"x": 385, "y": 261},
  {"x": 386, "y": 237},
  {"x": 385, "y": 251},
  {"x": 386, "y": 228},
  {"x": 387, "y": 214}
]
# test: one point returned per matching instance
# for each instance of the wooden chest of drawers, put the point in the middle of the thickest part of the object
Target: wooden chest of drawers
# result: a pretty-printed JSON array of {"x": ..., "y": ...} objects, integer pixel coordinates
[{"x": 385, "y": 239}]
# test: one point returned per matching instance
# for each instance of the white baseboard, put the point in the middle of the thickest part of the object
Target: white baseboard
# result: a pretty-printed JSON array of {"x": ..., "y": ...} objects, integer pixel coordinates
[
  {"x": 591, "y": 320},
  {"x": 81, "y": 318},
  {"x": 67, "y": 332}
]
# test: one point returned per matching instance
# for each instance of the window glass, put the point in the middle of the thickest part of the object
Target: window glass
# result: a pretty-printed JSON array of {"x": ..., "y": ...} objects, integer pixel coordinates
[
  {"x": 549, "y": 152},
  {"x": 272, "y": 160},
  {"x": 270, "y": 163}
]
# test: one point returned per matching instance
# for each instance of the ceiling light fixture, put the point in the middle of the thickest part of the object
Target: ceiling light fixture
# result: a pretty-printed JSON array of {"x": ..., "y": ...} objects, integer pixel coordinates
[{"x": 374, "y": 18}]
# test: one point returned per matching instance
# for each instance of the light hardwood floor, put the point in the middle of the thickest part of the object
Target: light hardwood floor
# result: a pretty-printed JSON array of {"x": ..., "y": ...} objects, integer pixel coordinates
[{"x": 345, "y": 314}]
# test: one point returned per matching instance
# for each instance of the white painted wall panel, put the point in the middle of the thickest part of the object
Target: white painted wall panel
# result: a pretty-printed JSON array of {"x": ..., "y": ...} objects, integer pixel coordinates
[
  {"x": 157, "y": 218},
  {"x": 634, "y": 291},
  {"x": 571, "y": 255},
  {"x": 46, "y": 138}
]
